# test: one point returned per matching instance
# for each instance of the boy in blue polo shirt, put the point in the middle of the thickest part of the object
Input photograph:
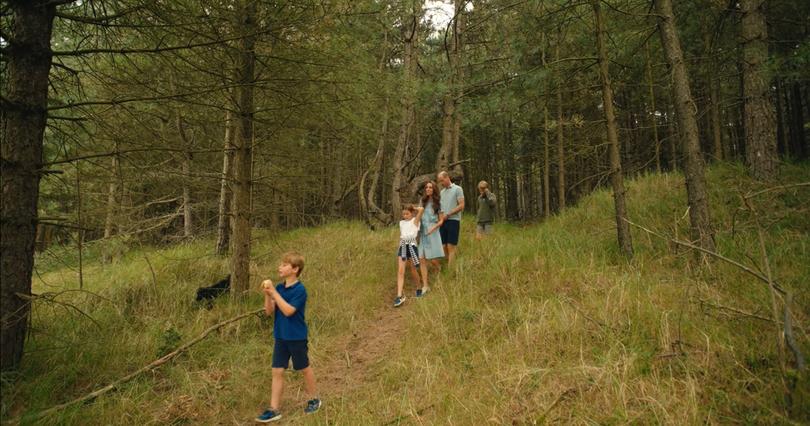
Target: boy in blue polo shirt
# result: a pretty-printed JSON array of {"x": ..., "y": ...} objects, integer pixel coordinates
[{"x": 287, "y": 301}]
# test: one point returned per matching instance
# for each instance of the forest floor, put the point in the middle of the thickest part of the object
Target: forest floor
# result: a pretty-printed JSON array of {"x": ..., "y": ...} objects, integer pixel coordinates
[
  {"x": 541, "y": 323},
  {"x": 344, "y": 366}
]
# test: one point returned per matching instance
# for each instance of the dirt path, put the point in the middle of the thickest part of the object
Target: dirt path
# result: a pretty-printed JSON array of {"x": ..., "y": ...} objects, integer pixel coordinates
[
  {"x": 345, "y": 364},
  {"x": 348, "y": 361}
]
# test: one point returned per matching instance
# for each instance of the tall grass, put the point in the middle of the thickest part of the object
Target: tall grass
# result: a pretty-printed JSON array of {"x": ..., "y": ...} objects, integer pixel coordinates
[{"x": 539, "y": 323}]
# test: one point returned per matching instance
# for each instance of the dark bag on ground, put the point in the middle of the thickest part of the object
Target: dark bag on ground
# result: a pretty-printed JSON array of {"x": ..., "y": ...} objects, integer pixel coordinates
[{"x": 208, "y": 294}]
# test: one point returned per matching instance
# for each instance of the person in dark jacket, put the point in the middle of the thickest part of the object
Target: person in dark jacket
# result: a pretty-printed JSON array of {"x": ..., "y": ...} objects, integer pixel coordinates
[{"x": 487, "y": 204}]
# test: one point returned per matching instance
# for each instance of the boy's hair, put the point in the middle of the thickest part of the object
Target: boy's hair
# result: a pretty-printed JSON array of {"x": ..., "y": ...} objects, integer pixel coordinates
[{"x": 294, "y": 259}]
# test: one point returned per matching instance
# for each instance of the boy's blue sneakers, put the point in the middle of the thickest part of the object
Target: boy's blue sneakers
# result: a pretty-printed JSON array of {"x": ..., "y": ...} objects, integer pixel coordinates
[
  {"x": 399, "y": 301},
  {"x": 421, "y": 292},
  {"x": 268, "y": 416},
  {"x": 312, "y": 406}
]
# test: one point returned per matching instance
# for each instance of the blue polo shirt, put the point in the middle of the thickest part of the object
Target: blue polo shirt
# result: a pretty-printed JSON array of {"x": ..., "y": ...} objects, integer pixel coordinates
[
  {"x": 293, "y": 327},
  {"x": 449, "y": 199}
]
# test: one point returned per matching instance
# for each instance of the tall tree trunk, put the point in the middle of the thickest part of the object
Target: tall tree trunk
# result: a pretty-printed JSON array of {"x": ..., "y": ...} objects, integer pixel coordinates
[
  {"x": 240, "y": 258},
  {"x": 546, "y": 162},
  {"x": 369, "y": 198},
  {"x": 616, "y": 178},
  {"x": 458, "y": 31},
  {"x": 797, "y": 135},
  {"x": 376, "y": 170},
  {"x": 451, "y": 119},
  {"x": 407, "y": 116},
  {"x": 761, "y": 156},
  {"x": 700, "y": 220},
  {"x": 23, "y": 120},
  {"x": 653, "y": 112},
  {"x": 714, "y": 110},
  {"x": 560, "y": 147},
  {"x": 80, "y": 224},
  {"x": 672, "y": 138},
  {"x": 112, "y": 199},
  {"x": 188, "y": 228},
  {"x": 225, "y": 193},
  {"x": 443, "y": 158},
  {"x": 186, "y": 167},
  {"x": 781, "y": 139}
]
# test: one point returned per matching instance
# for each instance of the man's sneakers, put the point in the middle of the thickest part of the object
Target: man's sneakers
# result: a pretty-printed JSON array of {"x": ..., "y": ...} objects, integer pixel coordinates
[
  {"x": 312, "y": 406},
  {"x": 399, "y": 301},
  {"x": 268, "y": 416}
]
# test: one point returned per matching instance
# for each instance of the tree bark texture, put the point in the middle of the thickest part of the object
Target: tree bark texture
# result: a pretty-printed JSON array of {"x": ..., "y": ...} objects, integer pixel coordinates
[
  {"x": 653, "y": 112},
  {"x": 546, "y": 162},
  {"x": 616, "y": 178},
  {"x": 23, "y": 121},
  {"x": 112, "y": 198},
  {"x": 225, "y": 193},
  {"x": 714, "y": 110},
  {"x": 761, "y": 155},
  {"x": 798, "y": 141},
  {"x": 407, "y": 115},
  {"x": 560, "y": 140},
  {"x": 700, "y": 220},
  {"x": 240, "y": 258}
]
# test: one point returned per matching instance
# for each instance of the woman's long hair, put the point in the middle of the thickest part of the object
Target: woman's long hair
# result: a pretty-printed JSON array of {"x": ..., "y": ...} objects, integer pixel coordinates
[{"x": 434, "y": 198}]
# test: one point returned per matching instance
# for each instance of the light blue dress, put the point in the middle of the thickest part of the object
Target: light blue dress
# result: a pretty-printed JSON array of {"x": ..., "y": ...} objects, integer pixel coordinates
[{"x": 430, "y": 246}]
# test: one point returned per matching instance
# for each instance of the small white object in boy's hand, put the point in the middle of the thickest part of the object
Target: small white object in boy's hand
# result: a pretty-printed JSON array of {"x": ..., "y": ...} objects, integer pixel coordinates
[{"x": 267, "y": 284}]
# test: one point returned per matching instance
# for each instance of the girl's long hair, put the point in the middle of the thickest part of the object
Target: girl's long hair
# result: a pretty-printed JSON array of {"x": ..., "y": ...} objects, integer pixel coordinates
[{"x": 435, "y": 197}]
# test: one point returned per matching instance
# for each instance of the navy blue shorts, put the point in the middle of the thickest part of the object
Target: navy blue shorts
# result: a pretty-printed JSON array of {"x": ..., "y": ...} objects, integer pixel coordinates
[
  {"x": 283, "y": 350},
  {"x": 449, "y": 231}
]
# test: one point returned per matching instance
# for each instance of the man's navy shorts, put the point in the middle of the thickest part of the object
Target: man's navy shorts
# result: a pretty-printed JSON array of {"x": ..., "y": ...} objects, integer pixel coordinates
[
  {"x": 283, "y": 350},
  {"x": 449, "y": 231}
]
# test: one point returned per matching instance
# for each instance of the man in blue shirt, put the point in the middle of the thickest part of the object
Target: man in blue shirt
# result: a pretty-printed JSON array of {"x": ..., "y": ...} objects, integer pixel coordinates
[
  {"x": 287, "y": 301},
  {"x": 452, "y": 204}
]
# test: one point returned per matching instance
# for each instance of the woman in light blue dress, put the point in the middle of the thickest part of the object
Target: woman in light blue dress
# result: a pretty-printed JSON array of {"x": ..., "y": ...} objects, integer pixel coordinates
[{"x": 430, "y": 243}]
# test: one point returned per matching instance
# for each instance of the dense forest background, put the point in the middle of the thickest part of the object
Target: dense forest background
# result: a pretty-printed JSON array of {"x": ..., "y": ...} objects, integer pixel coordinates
[{"x": 129, "y": 123}]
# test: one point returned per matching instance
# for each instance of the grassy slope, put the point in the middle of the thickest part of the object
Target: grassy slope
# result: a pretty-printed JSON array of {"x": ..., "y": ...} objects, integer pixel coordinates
[{"x": 542, "y": 322}]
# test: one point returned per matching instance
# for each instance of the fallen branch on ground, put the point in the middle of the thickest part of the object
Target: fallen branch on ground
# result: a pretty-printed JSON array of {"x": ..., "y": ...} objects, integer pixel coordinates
[
  {"x": 710, "y": 253},
  {"x": 737, "y": 311},
  {"x": 151, "y": 366}
]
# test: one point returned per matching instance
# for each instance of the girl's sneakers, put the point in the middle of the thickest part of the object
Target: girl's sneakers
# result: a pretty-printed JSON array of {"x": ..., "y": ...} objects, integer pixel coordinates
[
  {"x": 268, "y": 416},
  {"x": 312, "y": 406}
]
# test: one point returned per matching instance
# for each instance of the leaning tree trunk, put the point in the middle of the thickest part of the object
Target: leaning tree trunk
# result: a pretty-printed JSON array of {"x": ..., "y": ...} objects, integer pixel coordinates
[
  {"x": 368, "y": 204},
  {"x": 407, "y": 116},
  {"x": 693, "y": 168},
  {"x": 225, "y": 193},
  {"x": 761, "y": 154},
  {"x": 24, "y": 105},
  {"x": 616, "y": 178},
  {"x": 240, "y": 258}
]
